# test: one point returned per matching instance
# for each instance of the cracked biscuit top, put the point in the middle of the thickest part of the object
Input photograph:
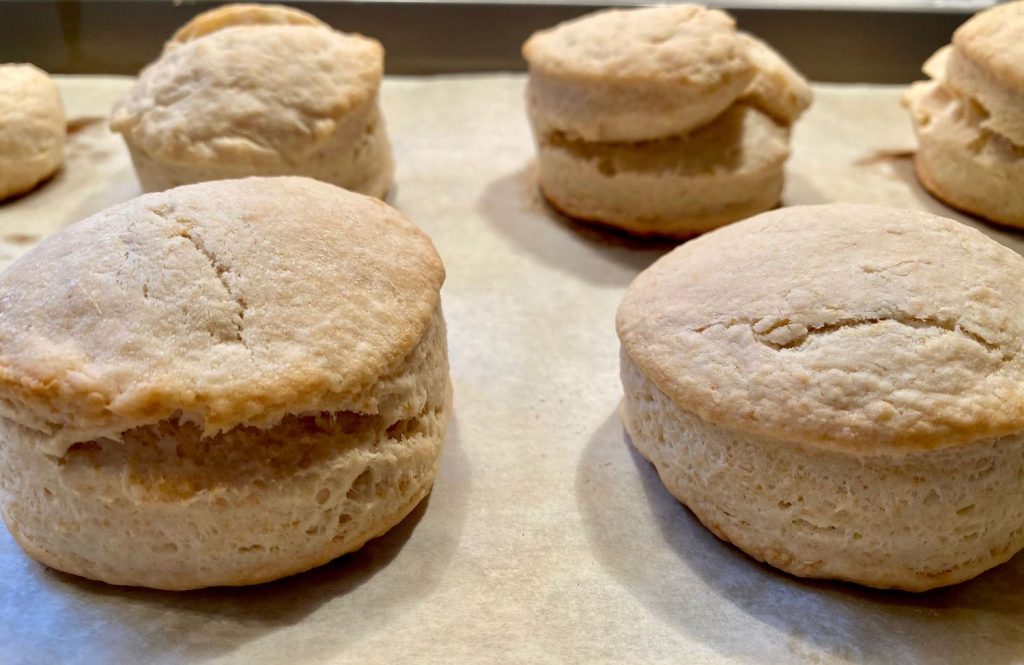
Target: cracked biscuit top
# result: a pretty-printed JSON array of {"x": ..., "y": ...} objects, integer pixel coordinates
[
  {"x": 846, "y": 326},
  {"x": 225, "y": 303},
  {"x": 251, "y": 86}
]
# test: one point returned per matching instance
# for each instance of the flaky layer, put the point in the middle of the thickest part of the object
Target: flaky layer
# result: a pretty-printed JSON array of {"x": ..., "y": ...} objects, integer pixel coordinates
[
  {"x": 914, "y": 522},
  {"x": 777, "y": 89},
  {"x": 725, "y": 171},
  {"x": 633, "y": 75},
  {"x": 165, "y": 507}
]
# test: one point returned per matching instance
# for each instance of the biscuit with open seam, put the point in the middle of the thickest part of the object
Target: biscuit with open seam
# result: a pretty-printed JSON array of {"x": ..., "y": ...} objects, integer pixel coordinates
[
  {"x": 633, "y": 110},
  {"x": 220, "y": 384}
]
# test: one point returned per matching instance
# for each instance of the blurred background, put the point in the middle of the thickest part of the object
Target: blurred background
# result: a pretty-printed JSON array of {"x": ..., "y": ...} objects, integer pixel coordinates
[{"x": 882, "y": 41}]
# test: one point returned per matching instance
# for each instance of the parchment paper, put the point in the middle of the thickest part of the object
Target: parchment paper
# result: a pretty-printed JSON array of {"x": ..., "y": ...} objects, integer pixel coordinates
[{"x": 546, "y": 538}]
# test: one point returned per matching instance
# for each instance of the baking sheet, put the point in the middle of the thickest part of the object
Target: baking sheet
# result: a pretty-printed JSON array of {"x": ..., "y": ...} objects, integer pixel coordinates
[{"x": 546, "y": 538}]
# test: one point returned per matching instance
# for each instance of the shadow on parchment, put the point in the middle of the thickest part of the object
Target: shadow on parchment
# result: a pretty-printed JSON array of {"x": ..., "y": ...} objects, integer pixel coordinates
[
  {"x": 696, "y": 583},
  {"x": 513, "y": 206},
  {"x": 141, "y": 625}
]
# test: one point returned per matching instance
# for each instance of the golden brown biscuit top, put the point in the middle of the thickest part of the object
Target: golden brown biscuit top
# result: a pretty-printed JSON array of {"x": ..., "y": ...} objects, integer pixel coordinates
[
  {"x": 250, "y": 94},
  {"x": 994, "y": 39},
  {"x": 225, "y": 303},
  {"x": 846, "y": 326},
  {"x": 685, "y": 43},
  {"x": 227, "y": 16}
]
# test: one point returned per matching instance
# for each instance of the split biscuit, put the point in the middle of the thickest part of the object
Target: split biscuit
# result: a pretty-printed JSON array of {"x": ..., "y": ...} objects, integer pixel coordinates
[
  {"x": 660, "y": 121},
  {"x": 220, "y": 384}
]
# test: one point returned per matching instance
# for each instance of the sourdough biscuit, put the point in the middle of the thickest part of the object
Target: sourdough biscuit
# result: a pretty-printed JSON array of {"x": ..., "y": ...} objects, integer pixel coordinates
[
  {"x": 32, "y": 128},
  {"x": 837, "y": 390},
  {"x": 660, "y": 121},
  {"x": 221, "y": 384},
  {"x": 969, "y": 119},
  {"x": 253, "y": 90}
]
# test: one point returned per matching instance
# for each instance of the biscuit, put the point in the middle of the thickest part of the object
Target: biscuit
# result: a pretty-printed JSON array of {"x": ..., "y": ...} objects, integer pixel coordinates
[
  {"x": 640, "y": 116},
  {"x": 32, "y": 128},
  {"x": 969, "y": 120},
  {"x": 259, "y": 90},
  {"x": 837, "y": 391},
  {"x": 220, "y": 384}
]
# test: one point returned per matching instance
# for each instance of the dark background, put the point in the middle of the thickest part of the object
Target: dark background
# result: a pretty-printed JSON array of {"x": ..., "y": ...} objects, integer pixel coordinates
[{"x": 120, "y": 36}]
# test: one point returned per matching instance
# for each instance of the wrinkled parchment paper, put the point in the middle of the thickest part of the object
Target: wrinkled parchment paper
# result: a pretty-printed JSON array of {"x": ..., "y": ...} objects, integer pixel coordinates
[{"x": 546, "y": 538}]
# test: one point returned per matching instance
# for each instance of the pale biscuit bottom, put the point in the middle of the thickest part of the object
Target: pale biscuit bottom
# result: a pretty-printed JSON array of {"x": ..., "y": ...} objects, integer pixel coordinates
[
  {"x": 962, "y": 163},
  {"x": 360, "y": 163},
  {"x": 675, "y": 187},
  {"x": 23, "y": 176},
  {"x": 914, "y": 521},
  {"x": 166, "y": 508}
]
